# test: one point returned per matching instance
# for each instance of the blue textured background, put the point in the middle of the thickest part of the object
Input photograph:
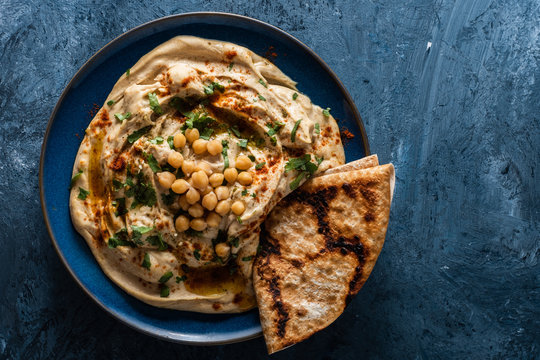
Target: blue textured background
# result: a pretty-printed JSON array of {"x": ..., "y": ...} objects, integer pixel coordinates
[{"x": 459, "y": 276}]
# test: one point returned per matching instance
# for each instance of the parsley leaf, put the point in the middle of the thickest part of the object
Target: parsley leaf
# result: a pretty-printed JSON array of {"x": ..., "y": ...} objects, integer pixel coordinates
[
  {"x": 157, "y": 140},
  {"x": 296, "y": 182},
  {"x": 170, "y": 141},
  {"x": 251, "y": 157},
  {"x": 317, "y": 128},
  {"x": 260, "y": 165},
  {"x": 239, "y": 219},
  {"x": 261, "y": 97},
  {"x": 152, "y": 162},
  {"x": 165, "y": 291},
  {"x": 110, "y": 102},
  {"x": 225, "y": 145},
  {"x": 206, "y": 133},
  {"x": 253, "y": 195},
  {"x": 181, "y": 278},
  {"x": 244, "y": 192},
  {"x": 117, "y": 184},
  {"x": 197, "y": 254},
  {"x": 235, "y": 131},
  {"x": 234, "y": 241},
  {"x": 247, "y": 258},
  {"x": 128, "y": 72},
  {"x": 303, "y": 165},
  {"x": 168, "y": 199},
  {"x": 326, "y": 112},
  {"x": 74, "y": 179},
  {"x": 194, "y": 233},
  {"x": 209, "y": 90},
  {"x": 83, "y": 193},
  {"x": 121, "y": 238},
  {"x": 165, "y": 277},
  {"x": 154, "y": 103},
  {"x": 274, "y": 128},
  {"x": 294, "y": 96},
  {"x": 121, "y": 207},
  {"x": 122, "y": 117},
  {"x": 157, "y": 240},
  {"x": 134, "y": 136},
  {"x": 143, "y": 193},
  {"x": 231, "y": 66},
  {"x": 243, "y": 143},
  {"x": 146, "y": 261},
  {"x": 261, "y": 81},
  {"x": 295, "y": 128}
]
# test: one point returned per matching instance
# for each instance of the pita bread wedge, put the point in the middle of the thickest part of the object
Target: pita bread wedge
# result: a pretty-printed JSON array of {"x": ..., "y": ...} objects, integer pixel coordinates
[{"x": 318, "y": 248}]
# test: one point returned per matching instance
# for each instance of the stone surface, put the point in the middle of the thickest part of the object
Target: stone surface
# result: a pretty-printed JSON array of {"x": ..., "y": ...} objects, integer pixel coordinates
[{"x": 449, "y": 92}]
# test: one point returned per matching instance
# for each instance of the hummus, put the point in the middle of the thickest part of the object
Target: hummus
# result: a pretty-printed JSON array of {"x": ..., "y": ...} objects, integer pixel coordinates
[{"x": 193, "y": 147}]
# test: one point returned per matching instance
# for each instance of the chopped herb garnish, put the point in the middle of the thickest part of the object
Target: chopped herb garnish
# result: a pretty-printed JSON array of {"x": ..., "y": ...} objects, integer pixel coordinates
[
  {"x": 165, "y": 291},
  {"x": 137, "y": 233},
  {"x": 294, "y": 96},
  {"x": 110, "y": 102},
  {"x": 146, "y": 261},
  {"x": 194, "y": 233},
  {"x": 295, "y": 128},
  {"x": 152, "y": 162},
  {"x": 296, "y": 182},
  {"x": 326, "y": 112},
  {"x": 154, "y": 103},
  {"x": 261, "y": 81},
  {"x": 74, "y": 179},
  {"x": 225, "y": 145},
  {"x": 206, "y": 133},
  {"x": 179, "y": 279},
  {"x": 317, "y": 128},
  {"x": 168, "y": 199},
  {"x": 197, "y": 254},
  {"x": 273, "y": 140},
  {"x": 260, "y": 165},
  {"x": 234, "y": 241},
  {"x": 261, "y": 97},
  {"x": 244, "y": 192},
  {"x": 170, "y": 141},
  {"x": 122, "y": 117},
  {"x": 83, "y": 193},
  {"x": 243, "y": 143},
  {"x": 165, "y": 277},
  {"x": 143, "y": 193},
  {"x": 200, "y": 121},
  {"x": 247, "y": 258},
  {"x": 209, "y": 90},
  {"x": 303, "y": 165},
  {"x": 157, "y": 240},
  {"x": 134, "y": 136},
  {"x": 251, "y": 157},
  {"x": 253, "y": 195},
  {"x": 121, "y": 238},
  {"x": 157, "y": 140},
  {"x": 235, "y": 131},
  {"x": 128, "y": 71},
  {"x": 117, "y": 184},
  {"x": 274, "y": 128},
  {"x": 231, "y": 66},
  {"x": 121, "y": 207},
  {"x": 239, "y": 219}
]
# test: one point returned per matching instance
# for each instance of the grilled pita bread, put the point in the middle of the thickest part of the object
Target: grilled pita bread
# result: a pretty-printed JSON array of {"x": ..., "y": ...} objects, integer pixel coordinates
[{"x": 318, "y": 248}]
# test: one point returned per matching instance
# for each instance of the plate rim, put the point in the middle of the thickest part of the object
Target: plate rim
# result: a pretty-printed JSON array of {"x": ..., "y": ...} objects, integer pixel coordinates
[{"x": 144, "y": 328}]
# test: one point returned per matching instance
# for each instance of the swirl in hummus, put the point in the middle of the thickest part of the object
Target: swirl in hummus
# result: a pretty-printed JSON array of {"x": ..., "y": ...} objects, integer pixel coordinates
[{"x": 194, "y": 146}]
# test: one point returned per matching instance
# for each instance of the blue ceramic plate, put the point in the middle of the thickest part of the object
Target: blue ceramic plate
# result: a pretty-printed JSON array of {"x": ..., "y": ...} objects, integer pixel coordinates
[{"x": 92, "y": 83}]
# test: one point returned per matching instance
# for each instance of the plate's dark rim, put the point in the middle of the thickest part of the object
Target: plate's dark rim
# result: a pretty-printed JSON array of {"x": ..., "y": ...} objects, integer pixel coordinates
[{"x": 97, "y": 55}]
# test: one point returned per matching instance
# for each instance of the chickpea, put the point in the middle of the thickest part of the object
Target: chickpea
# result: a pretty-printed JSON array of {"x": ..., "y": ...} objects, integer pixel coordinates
[
  {"x": 222, "y": 250},
  {"x": 192, "y": 196},
  {"x": 214, "y": 147},
  {"x": 209, "y": 201},
  {"x": 181, "y": 223},
  {"x": 223, "y": 207},
  {"x": 175, "y": 159},
  {"x": 192, "y": 135},
  {"x": 166, "y": 179},
  {"x": 216, "y": 179},
  {"x": 200, "y": 179},
  {"x": 198, "y": 224},
  {"x": 213, "y": 219},
  {"x": 204, "y": 166},
  {"x": 179, "y": 140},
  {"x": 206, "y": 191},
  {"x": 243, "y": 162},
  {"x": 238, "y": 207},
  {"x": 230, "y": 175},
  {"x": 182, "y": 201},
  {"x": 222, "y": 192},
  {"x": 188, "y": 167},
  {"x": 196, "y": 210},
  {"x": 180, "y": 186},
  {"x": 245, "y": 178},
  {"x": 199, "y": 146}
]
